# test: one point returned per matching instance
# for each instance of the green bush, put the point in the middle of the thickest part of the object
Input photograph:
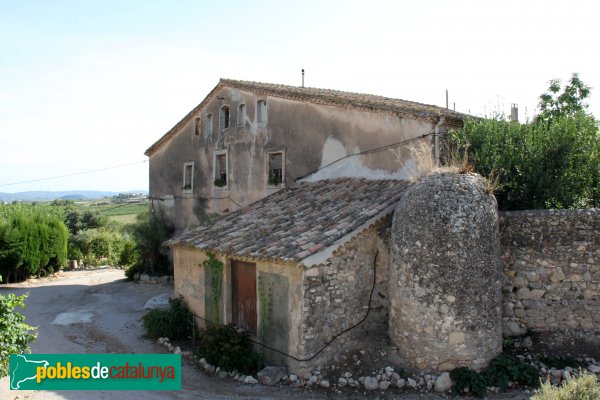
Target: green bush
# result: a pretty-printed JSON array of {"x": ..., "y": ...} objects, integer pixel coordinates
[
  {"x": 132, "y": 270},
  {"x": 148, "y": 233},
  {"x": 228, "y": 348},
  {"x": 32, "y": 241},
  {"x": 537, "y": 165},
  {"x": 15, "y": 335},
  {"x": 174, "y": 322},
  {"x": 582, "y": 387},
  {"x": 500, "y": 371},
  {"x": 97, "y": 246}
]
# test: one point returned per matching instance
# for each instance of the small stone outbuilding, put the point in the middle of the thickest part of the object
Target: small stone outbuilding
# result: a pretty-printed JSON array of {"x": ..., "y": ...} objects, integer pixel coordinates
[{"x": 297, "y": 269}]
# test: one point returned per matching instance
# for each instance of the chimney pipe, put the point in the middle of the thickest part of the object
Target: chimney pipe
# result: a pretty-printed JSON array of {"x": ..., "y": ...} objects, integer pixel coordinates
[
  {"x": 514, "y": 112},
  {"x": 446, "y": 99},
  {"x": 302, "y": 77}
]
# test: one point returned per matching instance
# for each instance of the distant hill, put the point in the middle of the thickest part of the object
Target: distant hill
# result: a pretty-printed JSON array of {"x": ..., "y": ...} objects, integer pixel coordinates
[{"x": 63, "y": 195}]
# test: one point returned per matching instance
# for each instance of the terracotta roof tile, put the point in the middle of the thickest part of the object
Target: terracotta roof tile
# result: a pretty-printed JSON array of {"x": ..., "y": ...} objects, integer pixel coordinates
[{"x": 271, "y": 227}]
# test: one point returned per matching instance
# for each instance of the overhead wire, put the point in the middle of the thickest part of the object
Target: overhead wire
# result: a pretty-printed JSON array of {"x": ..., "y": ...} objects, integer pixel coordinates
[
  {"x": 330, "y": 341},
  {"x": 73, "y": 174}
]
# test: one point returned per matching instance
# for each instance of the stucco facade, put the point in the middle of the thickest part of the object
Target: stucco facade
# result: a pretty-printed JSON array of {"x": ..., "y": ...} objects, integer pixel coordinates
[{"x": 248, "y": 127}]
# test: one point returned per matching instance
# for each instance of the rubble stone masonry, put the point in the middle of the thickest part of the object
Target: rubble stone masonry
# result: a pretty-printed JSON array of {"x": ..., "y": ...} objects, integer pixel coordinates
[{"x": 551, "y": 264}]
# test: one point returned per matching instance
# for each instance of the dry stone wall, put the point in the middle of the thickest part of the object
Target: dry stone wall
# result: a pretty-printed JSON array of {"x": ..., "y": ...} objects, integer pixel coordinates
[{"x": 551, "y": 264}]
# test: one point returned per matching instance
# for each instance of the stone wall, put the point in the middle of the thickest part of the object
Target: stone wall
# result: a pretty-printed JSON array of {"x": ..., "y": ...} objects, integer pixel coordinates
[
  {"x": 551, "y": 263},
  {"x": 336, "y": 297},
  {"x": 444, "y": 280}
]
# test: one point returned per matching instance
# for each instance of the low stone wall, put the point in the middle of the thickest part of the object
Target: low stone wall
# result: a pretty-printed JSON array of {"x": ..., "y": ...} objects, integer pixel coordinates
[{"x": 551, "y": 264}]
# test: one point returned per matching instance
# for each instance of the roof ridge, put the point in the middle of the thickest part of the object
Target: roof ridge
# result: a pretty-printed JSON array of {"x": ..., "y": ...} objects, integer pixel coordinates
[{"x": 227, "y": 81}]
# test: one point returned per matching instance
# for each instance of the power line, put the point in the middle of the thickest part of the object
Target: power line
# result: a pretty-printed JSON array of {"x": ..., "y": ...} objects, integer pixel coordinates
[
  {"x": 73, "y": 174},
  {"x": 375, "y": 150}
]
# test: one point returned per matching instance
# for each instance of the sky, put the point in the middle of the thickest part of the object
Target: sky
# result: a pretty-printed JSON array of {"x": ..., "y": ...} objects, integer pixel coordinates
[{"x": 89, "y": 85}]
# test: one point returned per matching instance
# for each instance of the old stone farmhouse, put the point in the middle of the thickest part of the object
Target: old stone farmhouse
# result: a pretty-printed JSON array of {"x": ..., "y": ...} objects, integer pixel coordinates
[
  {"x": 247, "y": 140},
  {"x": 314, "y": 266}
]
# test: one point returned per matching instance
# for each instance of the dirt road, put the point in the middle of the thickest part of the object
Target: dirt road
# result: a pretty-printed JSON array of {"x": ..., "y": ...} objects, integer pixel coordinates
[{"x": 99, "y": 312}]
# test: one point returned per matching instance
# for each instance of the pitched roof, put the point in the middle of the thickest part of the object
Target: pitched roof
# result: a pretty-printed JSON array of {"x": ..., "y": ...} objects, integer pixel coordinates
[
  {"x": 361, "y": 101},
  {"x": 299, "y": 221}
]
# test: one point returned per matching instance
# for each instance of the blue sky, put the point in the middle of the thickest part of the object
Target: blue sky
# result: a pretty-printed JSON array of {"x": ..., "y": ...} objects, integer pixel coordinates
[{"x": 91, "y": 84}]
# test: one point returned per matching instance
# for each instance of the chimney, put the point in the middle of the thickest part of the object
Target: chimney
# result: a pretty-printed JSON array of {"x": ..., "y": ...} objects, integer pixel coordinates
[{"x": 514, "y": 112}]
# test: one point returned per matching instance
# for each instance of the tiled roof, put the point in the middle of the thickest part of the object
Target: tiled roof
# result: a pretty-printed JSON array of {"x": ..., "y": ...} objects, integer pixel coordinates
[
  {"x": 337, "y": 97},
  {"x": 321, "y": 96},
  {"x": 299, "y": 221}
]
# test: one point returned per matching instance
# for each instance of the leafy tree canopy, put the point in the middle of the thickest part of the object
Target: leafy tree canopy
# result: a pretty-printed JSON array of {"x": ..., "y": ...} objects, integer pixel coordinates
[{"x": 555, "y": 104}]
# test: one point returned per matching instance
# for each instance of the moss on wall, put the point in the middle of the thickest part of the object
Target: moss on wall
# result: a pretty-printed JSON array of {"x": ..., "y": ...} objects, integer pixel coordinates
[
  {"x": 273, "y": 317},
  {"x": 213, "y": 288}
]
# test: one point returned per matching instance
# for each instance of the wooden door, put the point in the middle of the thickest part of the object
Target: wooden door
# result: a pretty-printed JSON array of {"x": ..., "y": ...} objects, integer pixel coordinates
[{"x": 243, "y": 295}]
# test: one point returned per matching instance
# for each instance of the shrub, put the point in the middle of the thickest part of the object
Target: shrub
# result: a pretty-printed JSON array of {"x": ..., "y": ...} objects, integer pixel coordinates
[
  {"x": 132, "y": 270},
  {"x": 500, "y": 371},
  {"x": 537, "y": 165},
  {"x": 148, "y": 233},
  {"x": 32, "y": 241},
  {"x": 97, "y": 246},
  {"x": 228, "y": 348},
  {"x": 465, "y": 379},
  {"x": 583, "y": 387},
  {"x": 175, "y": 322},
  {"x": 15, "y": 335}
]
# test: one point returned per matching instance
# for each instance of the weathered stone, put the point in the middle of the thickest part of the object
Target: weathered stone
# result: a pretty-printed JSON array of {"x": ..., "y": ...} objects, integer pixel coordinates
[
  {"x": 383, "y": 385},
  {"x": 443, "y": 383},
  {"x": 594, "y": 368},
  {"x": 250, "y": 380},
  {"x": 342, "y": 382},
  {"x": 371, "y": 383},
  {"x": 455, "y": 272},
  {"x": 400, "y": 383},
  {"x": 324, "y": 383},
  {"x": 145, "y": 278},
  {"x": 270, "y": 375},
  {"x": 411, "y": 383}
]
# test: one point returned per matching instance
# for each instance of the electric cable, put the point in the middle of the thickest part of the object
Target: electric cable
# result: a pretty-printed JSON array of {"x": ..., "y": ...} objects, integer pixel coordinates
[
  {"x": 328, "y": 343},
  {"x": 73, "y": 174}
]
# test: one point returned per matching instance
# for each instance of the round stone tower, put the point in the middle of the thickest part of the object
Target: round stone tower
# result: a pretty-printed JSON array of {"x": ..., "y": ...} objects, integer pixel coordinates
[{"x": 445, "y": 288}]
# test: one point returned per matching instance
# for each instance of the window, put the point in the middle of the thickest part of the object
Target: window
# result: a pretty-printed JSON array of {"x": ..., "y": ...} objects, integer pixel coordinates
[
  {"x": 275, "y": 168},
  {"x": 241, "y": 116},
  {"x": 188, "y": 177},
  {"x": 224, "y": 117},
  {"x": 208, "y": 124},
  {"x": 261, "y": 112},
  {"x": 197, "y": 126},
  {"x": 221, "y": 168}
]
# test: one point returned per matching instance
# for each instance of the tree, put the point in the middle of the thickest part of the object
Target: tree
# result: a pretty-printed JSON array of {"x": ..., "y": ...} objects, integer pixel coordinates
[
  {"x": 554, "y": 105},
  {"x": 553, "y": 162}
]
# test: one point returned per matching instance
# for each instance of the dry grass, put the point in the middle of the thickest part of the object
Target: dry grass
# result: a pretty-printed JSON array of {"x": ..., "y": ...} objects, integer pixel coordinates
[
  {"x": 424, "y": 163},
  {"x": 583, "y": 387}
]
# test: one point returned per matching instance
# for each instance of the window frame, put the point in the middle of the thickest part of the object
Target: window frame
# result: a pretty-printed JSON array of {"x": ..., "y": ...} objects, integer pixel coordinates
[
  {"x": 241, "y": 115},
  {"x": 261, "y": 118},
  {"x": 269, "y": 154},
  {"x": 208, "y": 124},
  {"x": 184, "y": 188},
  {"x": 216, "y": 155},
  {"x": 224, "y": 111}
]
